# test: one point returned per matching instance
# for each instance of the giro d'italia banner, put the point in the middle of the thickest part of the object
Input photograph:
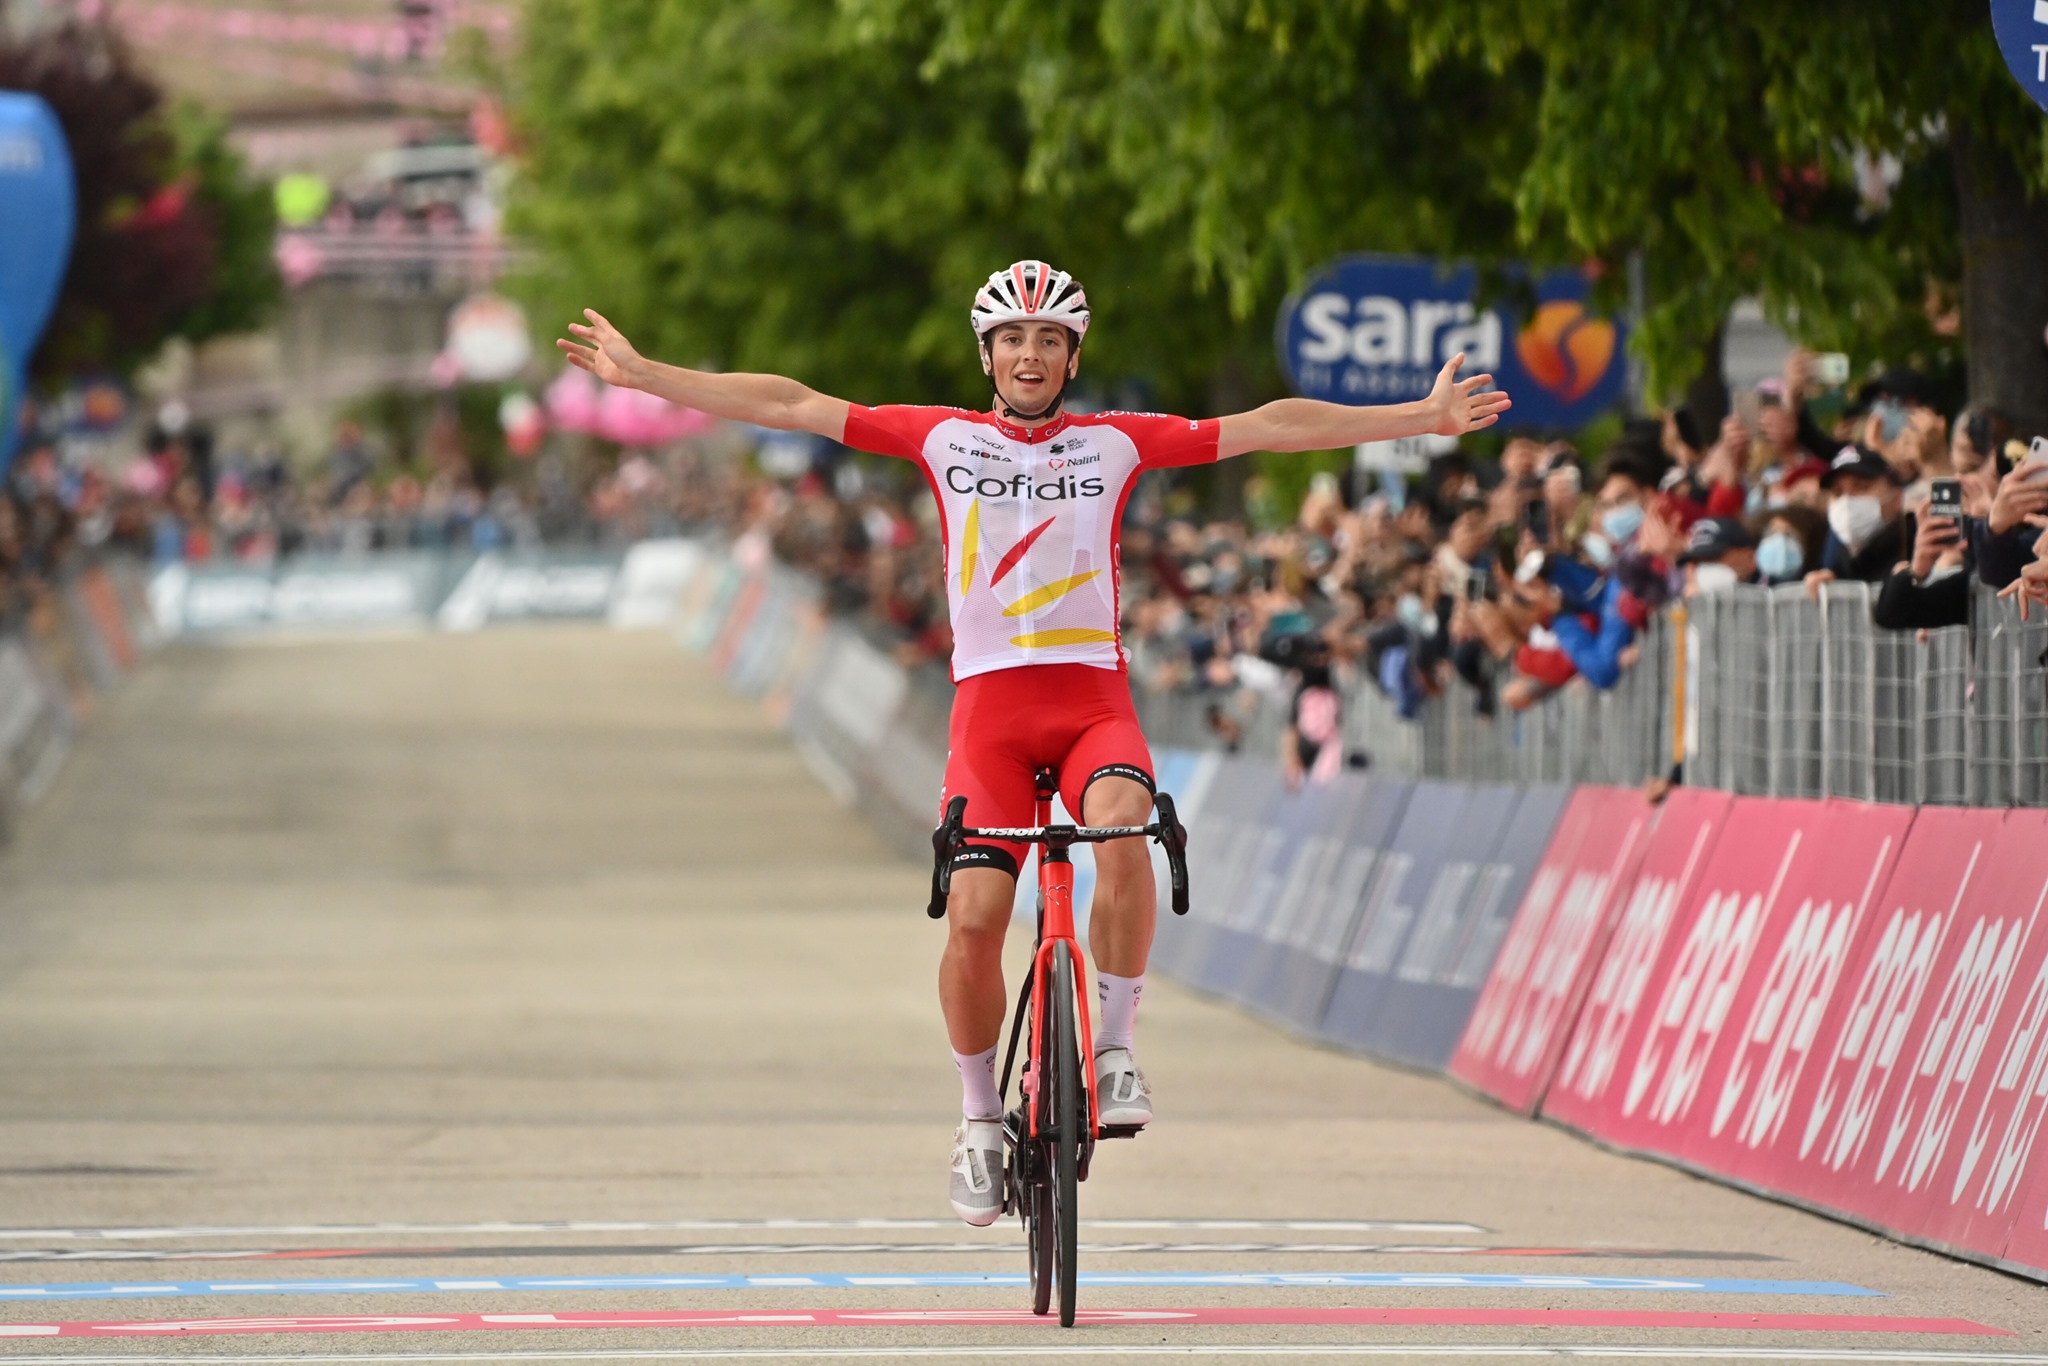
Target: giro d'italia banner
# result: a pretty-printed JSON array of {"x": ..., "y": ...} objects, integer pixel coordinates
[{"x": 1376, "y": 329}]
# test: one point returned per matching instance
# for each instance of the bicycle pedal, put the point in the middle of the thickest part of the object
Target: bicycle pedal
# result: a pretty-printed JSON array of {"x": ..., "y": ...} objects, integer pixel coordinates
[{"x": 1119, "y": 1130}]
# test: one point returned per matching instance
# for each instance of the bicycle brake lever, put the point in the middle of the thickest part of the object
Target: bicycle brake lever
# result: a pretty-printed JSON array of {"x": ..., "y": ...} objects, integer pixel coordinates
[
  {"x": 945, "y": 840},
  {"x": 1173, "y": 838}
]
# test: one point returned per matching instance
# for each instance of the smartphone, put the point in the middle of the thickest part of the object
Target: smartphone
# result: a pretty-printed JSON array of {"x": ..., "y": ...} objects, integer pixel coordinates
[
  {"x": 2037, "y": 452},
  {"x": 1478, "y": 585},
  {"x": 1536, "y": 520},
  {"x": 1946, "y": 499},
  {"x": 1831, "y": 369},
  {"x": 1891, "y": 418}
]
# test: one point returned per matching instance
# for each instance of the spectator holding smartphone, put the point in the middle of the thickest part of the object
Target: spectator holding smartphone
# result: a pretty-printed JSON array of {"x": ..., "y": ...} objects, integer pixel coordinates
[
  {"x": 2007, "y": 544},
  {"x": 1932, "y": 589}
]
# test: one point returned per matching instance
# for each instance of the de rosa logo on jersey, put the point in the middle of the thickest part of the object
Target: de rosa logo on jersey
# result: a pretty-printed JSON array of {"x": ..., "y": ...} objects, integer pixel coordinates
[{"x": 960, "y": 479}]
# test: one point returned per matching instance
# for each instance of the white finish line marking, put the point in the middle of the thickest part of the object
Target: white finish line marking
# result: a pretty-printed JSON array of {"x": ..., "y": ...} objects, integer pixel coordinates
[
  {"x": 698, "y": 1225},
  {"x": 1582, "y": 1351},
  {"x": 1402, "y": 1280}
]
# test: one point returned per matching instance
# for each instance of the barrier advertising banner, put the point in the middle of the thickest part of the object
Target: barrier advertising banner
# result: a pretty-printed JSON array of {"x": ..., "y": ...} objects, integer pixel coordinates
[
  {"x": 1459, "y": 935},
  {"x": 1222, "y": 845},
  {"x": 1291, "y": 817},
  {"x": 1927, "y": 1091},
  {"x": 1640, "y": 919},
  {"x": 1518, "y": 1025},
  {"x": 1430, "y": 830},
  {"x": 1711, "y": 1055},
  {"x": 1292, "y": 979}
]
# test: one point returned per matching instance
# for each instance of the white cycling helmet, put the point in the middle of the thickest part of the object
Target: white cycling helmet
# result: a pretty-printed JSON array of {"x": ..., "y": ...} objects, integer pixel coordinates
[{"x": 1030, "y": 291}]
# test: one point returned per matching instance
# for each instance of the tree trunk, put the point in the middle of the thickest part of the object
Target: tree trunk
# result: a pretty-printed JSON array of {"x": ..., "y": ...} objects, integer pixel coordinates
[
  {"x": 1707, "y": 395},
  {"x": 2005, "y": 282}
]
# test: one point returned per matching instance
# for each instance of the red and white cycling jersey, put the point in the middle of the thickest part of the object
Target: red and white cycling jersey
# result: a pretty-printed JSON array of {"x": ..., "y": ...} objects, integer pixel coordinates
[{"x": 1030, "y": 520}]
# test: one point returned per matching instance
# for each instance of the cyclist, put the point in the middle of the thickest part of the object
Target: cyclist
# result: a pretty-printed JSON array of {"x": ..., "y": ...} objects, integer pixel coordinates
[{"x": 1030, "y": 499}]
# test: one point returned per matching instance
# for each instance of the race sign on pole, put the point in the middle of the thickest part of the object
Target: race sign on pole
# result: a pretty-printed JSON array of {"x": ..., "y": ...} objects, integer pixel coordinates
[
  {"x": 2022, "y": 30},
  {"x": 1376, "y": 329},
  {"x": 38, "y": 203}
]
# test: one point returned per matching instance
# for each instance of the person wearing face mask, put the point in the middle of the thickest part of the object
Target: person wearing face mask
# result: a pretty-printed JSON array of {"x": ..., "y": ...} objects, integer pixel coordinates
[
  {"x": 1787, "y": 540},
  {"x": 1866, "y": 534},
  {"x": 1718, "y": 555}
]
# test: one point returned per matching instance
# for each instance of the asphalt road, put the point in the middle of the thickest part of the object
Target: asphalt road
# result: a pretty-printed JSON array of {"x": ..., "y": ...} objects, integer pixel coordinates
[{"x": 409, "y": 988}]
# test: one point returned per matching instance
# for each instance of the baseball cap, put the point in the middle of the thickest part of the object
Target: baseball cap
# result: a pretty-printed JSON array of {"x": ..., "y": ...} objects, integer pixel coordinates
[
  {"x": 1860, "y": 461},
  {"x": 1713, "y": 537}
]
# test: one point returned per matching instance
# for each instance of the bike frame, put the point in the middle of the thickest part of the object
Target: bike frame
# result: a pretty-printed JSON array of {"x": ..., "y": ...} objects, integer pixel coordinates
[{"x": 1056, "y": 924}]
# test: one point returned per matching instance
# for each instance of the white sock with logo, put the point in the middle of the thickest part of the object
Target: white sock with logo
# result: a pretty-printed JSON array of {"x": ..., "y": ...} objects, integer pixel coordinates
[
  {"x": 978, "y": 1098},
  {"x": 1118, "y": 997}
]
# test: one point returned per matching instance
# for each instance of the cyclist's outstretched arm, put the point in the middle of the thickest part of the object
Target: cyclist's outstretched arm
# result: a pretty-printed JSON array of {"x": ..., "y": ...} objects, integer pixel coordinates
[
  {"x": 1453, "y": 408},
  {"x": 764, "y": 400}
]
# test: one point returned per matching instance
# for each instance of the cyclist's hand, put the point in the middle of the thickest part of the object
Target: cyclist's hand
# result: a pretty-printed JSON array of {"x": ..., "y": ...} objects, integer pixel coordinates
[
  {"x": 606, "y": 354},
  {"x": 1456, "y": 406}
]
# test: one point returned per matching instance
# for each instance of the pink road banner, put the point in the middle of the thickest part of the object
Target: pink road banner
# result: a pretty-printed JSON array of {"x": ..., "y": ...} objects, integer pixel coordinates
[
  {"x": 1922, "y": 1109},
  {"x": 1751, "y": 960},
  {"x": 1633, "y": 959},
  {"x": 1524, "y": 1013}
]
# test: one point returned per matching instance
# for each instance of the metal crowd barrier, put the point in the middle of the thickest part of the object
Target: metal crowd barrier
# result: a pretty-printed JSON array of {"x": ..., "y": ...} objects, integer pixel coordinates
[{"x": 1765, "y": 691}]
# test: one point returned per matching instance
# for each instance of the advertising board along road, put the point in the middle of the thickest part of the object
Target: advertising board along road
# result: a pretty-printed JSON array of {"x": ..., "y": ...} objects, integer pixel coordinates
[
  {"x": 1453, "y": 946},
  {"x": 1687, "y": 830},
  {"x": 1518, "y": 1027},
  {"x": 1376, "y": 329}
]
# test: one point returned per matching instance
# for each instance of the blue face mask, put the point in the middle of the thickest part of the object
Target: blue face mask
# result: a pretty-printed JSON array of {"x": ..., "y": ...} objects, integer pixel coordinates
[
  {"x": 1780, "y": 556},
  {"x": 1622, "y": 522}
]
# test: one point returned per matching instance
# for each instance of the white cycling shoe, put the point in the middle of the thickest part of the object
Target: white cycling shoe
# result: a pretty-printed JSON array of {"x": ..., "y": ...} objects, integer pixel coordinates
[
  {"x": 1121, "y": 1095},
  {"x": 977, "y": 1171}
]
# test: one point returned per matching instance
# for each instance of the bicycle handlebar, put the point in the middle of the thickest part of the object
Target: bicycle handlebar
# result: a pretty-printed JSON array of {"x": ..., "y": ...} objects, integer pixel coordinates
[{"x": 1170, "y": 834}]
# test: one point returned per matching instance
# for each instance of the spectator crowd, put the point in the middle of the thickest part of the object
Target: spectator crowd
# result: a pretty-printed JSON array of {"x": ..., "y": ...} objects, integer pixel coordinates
[{"x": 1519, "y": 574}]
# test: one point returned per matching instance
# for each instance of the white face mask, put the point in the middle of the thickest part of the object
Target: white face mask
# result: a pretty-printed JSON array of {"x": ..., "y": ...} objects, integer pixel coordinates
[
  {"x": 1712, "y": 578},
  {"x": 1855, "y": 518}
]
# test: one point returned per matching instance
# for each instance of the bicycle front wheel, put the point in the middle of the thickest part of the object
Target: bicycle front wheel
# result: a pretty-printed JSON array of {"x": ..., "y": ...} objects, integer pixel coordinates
[{"x": 1063, "y": 1084}]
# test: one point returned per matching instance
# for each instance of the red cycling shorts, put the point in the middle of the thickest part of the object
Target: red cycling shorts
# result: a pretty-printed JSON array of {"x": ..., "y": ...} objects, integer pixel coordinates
[{"x": 1010, "y": 723}]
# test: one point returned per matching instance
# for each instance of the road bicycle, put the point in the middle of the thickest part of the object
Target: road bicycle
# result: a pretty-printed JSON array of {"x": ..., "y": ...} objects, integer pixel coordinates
[{"x": 1049, "y": 1137}]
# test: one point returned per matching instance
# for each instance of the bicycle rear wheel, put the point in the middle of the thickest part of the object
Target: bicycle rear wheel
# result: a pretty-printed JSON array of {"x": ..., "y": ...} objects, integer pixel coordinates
[{"x": 1063, "y": 1084}]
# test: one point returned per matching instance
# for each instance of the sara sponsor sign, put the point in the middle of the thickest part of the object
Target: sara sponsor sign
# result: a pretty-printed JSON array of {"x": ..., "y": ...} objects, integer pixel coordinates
[{"x": 1376, "y": 329}]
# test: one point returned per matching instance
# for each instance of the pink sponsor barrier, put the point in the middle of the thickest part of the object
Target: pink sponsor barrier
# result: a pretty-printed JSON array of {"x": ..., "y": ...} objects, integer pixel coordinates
[
  {"x": 1644, "y": 915},
  {"x": 1931, "y": 1075},
  {"x": 1842, "y": 1004},
  {"x": 1519, "y": 1025}
]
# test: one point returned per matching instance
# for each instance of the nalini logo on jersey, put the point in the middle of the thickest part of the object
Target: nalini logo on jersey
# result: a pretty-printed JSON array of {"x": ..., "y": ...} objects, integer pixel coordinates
[
  {"x": 960, "y": 479},
  {"x": 1565, "y": 350}
]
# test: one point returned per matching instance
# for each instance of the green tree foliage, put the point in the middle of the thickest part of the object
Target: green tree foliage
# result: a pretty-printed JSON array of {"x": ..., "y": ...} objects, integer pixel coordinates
[
  {"x": 781, "y": 185},
  {"x": 173, "y": 239},
  {"x": 815, "y": 185},
  {"x": 1723, "y": 138}
]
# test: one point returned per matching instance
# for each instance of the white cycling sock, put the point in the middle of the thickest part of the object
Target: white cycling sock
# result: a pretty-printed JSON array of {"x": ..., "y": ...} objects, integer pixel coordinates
[
  {"x": 1119, "y": 1000},
  {"x": 978, "y": 1098}
]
